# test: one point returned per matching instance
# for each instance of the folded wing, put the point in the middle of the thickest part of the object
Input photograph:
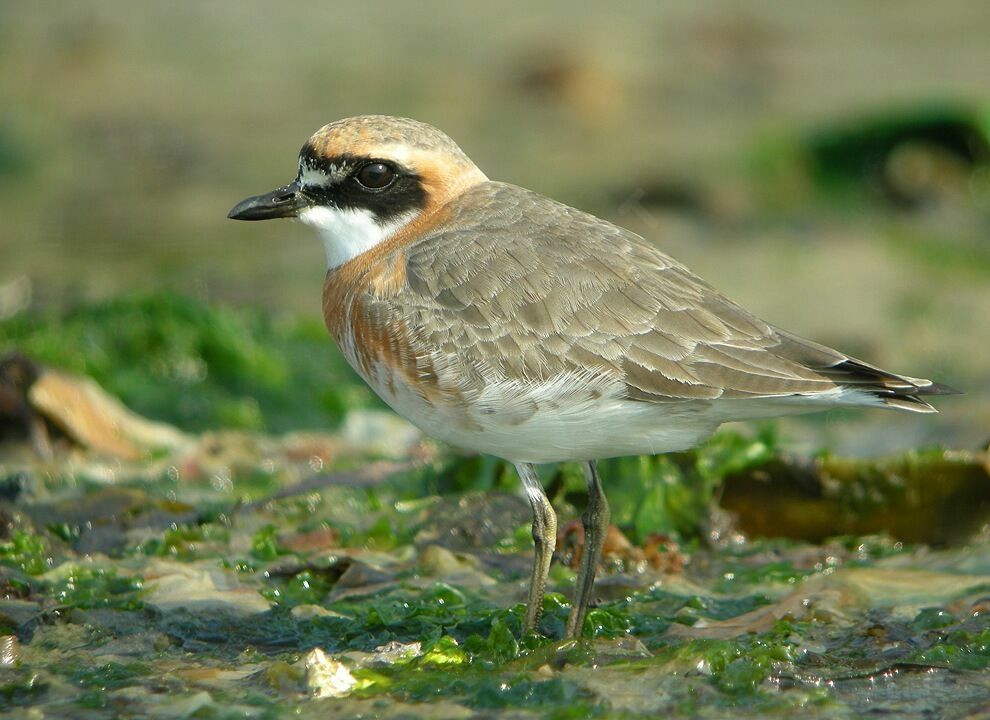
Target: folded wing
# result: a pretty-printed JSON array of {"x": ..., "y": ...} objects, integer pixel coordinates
[{"x": 521, "y": 289}]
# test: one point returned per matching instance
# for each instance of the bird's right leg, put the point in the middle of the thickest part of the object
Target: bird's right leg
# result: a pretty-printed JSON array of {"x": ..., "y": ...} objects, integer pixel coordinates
[
  {"x": 544, "y": 541},
  {"x": 595, "y": 522}
]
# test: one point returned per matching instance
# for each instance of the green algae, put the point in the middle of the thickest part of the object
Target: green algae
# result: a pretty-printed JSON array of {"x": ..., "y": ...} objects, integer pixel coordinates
[
  {"x": 304, "y": 588},
  {"x": 474, "y": 652},
  {"x": 87, "y": 588},
  {"x": 197, "y": 365},
  {"x": 932, "y": 618},
  {"x": 264, "y": 544},
  {"x": 960, "y": 650},
  {"x": 107, "y": 676},
  {"x": 187, "y": 542},
  {"x": 26, "y": 552}
]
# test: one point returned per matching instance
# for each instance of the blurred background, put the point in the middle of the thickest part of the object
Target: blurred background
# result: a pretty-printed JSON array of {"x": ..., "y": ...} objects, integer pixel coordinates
[{"x": 828, "y": 170}]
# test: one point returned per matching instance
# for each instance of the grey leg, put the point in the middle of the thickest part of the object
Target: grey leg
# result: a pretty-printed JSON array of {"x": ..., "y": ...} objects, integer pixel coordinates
[
  {"x": 595, "y": 522},
  {"x": 544, "y": 540}
]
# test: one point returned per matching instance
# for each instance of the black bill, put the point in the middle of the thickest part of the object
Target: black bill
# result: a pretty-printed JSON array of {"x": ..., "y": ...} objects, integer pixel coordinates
[{"x": 282, "y": 202}]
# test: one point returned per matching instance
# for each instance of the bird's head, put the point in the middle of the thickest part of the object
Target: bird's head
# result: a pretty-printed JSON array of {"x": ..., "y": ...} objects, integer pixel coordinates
[{"x": 362, "y": 179}]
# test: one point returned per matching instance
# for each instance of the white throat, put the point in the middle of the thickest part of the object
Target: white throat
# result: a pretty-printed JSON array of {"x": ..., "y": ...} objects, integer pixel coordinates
[{"x": 346, "y": 233}]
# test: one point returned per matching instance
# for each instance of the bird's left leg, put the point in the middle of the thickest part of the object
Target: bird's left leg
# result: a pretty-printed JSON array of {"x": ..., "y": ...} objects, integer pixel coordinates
[
  {"x": 595, "y": 522},
  {"x": 544, "y": 541}
]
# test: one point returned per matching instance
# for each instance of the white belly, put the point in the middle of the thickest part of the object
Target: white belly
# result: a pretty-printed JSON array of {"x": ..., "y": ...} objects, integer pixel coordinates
[
  {"x": 612, "y": 429},
  {"x": 552, "y": 422},
  {"x": 579, "y": 417}
]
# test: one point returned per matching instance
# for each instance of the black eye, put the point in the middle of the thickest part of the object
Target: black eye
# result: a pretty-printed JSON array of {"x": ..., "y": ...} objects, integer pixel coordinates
[{"x": 375, "y": 176}]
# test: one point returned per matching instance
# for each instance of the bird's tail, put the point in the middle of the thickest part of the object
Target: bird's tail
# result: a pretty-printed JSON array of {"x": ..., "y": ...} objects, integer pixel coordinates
[
  {"x": 870, "y": 383},
  {"x": 894, "y": 391}
]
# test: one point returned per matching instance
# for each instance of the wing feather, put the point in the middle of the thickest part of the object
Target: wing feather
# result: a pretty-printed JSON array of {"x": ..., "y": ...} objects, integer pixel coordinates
[{"x": 529, "y": 290}]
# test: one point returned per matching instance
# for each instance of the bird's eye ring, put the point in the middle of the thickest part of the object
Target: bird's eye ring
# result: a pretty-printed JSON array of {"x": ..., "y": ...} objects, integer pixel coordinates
[{"x": 375, "y": 176}]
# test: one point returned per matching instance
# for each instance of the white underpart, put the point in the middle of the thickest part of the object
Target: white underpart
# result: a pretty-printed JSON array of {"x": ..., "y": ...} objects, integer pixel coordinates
[
  {"x": 347, "y": 233},
  {"x": 580, "y": 417}
]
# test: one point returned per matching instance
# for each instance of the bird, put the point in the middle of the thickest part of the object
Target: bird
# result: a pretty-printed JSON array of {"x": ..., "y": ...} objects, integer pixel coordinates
[{"x": 504, "y": 322}]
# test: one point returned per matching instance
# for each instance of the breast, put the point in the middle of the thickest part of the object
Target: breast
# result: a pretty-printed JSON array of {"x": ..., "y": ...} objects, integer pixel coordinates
[{"x": 375, "y": 338}]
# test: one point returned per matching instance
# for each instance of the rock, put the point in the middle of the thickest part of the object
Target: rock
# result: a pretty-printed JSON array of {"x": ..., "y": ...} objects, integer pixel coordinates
[
  {"x": 313, "y": 541},
  {"x": 361, "y": 579},
  {"x": 325, "y": 676},
  {"x": 473, "y": 522},
  {"x": 198, "y": 588},
  {"x": 17, "y": 613},
  {"x": 188, "y": 706},
  {"x": 394, "y": 651},
  {"x": 142, "y": 644},
  {"x": 387, "y": 654},
  {"x": 309, "y": 612},
  {"x": 380, "y": 433},
  {"x": 592, "y": 653},
  {"x": 460, "y": 570},
  {"x": 10, "y": 649},
  {"x": 98, "y": 421}
]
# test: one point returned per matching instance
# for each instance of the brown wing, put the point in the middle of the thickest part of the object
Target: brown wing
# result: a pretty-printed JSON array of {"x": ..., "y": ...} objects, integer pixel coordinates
[{"x": 520, "y": 287}]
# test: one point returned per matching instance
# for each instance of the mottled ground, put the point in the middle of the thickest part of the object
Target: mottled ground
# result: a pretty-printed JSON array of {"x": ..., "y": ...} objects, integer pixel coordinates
[
  {"x": 369, "y": 573},
  {"x": 274, "y": 544}
]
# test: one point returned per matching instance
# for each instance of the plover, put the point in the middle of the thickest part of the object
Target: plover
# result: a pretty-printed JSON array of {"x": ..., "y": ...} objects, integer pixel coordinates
[{"x": 499, "y": 320}]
